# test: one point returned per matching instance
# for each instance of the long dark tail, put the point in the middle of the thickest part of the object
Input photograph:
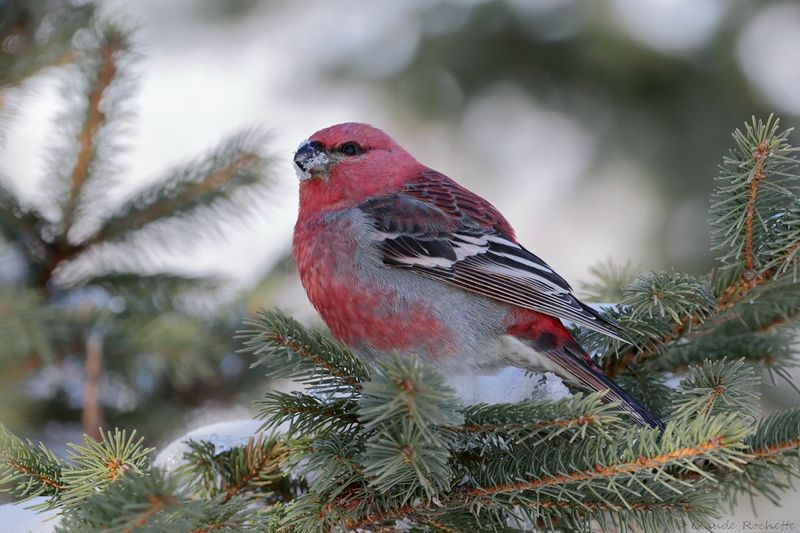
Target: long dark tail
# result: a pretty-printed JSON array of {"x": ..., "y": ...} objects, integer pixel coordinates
[
  {"x": 551, "y": 339},
  {"x": 582, "y": 368}
]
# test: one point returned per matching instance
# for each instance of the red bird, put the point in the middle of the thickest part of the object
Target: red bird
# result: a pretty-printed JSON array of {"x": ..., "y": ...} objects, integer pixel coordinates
[{"x": 397, "y": 257}]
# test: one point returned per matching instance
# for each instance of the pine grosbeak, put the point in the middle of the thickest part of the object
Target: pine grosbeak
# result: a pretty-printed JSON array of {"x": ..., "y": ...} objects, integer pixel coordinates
[{"x": 398, "y": 258}]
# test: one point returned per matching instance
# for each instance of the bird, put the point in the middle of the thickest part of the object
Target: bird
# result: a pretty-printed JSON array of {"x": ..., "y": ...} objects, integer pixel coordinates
[{"x": 399, "y": 258}]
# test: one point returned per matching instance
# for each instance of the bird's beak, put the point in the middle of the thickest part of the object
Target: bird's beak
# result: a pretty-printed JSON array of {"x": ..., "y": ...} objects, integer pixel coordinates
[{"x": 310, "y": 158}]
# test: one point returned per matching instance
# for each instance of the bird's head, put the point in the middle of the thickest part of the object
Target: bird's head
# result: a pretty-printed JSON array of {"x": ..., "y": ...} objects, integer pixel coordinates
[{"x": 350, "y": 162}]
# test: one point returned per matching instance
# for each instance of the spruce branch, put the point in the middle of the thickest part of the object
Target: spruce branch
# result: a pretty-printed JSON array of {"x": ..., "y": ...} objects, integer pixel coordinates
[
  {"x": 134, "y": 503},
  {"x": 28, "y": 470},
  {"x": 255, "y": 467},
  {"x": 94, "y": 464},
  {"x": 112, "y": 42},
  {"x": 402, "y": 407},
  {"x": 154, "y": 501},
  {"x": 757, "y": 193},
  {"x": 611, "y": 471},
  {"x": 755, "y": 216},
  {"x": 665, "y": 511},
  {"x": 304, "y": 414},
  {"x": 208, "y": 184},
  {"x": 671, "y": 304},
  {"x": 379, "y": 471},
  {"x": 146, "y": 293},
  {"x": 578, "y": 417},
  {"x": 678, "y": 298},
  {"x": 767, "y": 348},
  {"x": 773, "y": 459},
  {"x": 288, "y": 350},
  {"x": 718, "y": 387},
  {"x": 402, "y": 387},
  {"x": 715, "y": 439}
]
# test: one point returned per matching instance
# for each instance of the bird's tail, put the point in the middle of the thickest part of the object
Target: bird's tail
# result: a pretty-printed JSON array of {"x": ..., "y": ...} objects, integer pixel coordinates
[
  {"x": 582, "y": 368},
  {"x": 548, "y": 336}
]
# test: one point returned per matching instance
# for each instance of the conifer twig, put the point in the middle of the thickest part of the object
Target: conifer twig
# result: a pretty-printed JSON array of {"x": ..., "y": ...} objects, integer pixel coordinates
[
  {"x": 95, "y": 116},
  {"x": 22, "y": 469},
  {"x": 460, "y": 499},
  {"x": 760, "y": 155},
  {"x": 190, "y": 192},
  {"x": 257, "y": 459},
  {"x": 156, "y": 504},
  {"x": 92, "y": 415},
  {"x": 642, "y": 463}
]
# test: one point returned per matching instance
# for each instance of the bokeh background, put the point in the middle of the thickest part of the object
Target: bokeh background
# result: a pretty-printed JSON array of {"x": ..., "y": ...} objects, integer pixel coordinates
[{"x": 595, "y": 126}]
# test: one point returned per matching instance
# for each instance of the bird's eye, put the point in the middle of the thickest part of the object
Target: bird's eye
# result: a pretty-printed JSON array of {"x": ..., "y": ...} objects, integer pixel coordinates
[{"x": 350, "y": 148}]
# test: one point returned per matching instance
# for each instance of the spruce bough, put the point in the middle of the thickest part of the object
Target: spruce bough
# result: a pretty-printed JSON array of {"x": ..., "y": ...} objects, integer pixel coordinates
[{"x": 391, "y": 447}]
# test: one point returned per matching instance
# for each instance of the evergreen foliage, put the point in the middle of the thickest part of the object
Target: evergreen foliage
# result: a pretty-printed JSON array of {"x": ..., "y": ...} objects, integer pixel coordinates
[
  {"x": 389, "y": 446},
  {"x": 87, "y": 285}
]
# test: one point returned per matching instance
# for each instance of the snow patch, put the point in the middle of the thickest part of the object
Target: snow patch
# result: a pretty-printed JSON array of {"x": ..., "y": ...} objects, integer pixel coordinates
[
  {"x": 20, "y": 518},
  {"x": 224, "y": 435},
  {"x": 550, "y": 387},
  {"x": 509, "y": 384}
]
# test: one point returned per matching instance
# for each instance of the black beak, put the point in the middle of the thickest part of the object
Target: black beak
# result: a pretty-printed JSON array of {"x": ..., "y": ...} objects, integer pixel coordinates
[{"x": 306, "y": 153}]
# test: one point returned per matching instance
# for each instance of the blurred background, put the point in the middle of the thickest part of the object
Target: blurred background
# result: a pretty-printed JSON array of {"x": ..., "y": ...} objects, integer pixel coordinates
[{"x": 594, "y": 123}]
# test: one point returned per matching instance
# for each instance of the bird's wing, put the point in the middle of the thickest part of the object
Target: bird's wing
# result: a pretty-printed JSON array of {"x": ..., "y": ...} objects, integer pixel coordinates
[{"x": 458, "y": 249}]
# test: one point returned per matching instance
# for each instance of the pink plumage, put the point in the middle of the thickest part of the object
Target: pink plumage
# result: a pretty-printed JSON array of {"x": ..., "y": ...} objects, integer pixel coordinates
[{"x": 399, "y": 258}]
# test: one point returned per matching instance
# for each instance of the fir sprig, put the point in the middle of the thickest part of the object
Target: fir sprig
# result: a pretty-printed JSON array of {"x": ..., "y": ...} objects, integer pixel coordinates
[
  {"x": 757, "y": 190},
  {"x": 303, "y": 414},
  {"x": 674, "y": 297},
  {"x": 94, "y": 464},
  {"x": 254, "y": 468},
  {"x": 403, "y": 408},
  {"x": 718, "y": 387},
  {"x": 28, "y": 470},
  {"x": 206, "y": 186},
  {"x": 154, "y": 502},
  {"x": 773, "y": 459},
  {"x": 102, "y": 71},
  {"x": 285, "y": 349},
  {"x": 578, "y": 417}
]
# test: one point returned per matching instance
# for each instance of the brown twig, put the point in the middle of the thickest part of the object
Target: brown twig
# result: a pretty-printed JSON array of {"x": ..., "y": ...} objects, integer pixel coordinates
[
  {"x": 156, "y": 504},
  {"x": 608, "y": 506},
  {"x": 49, "y": 482},
  {"x": 774, "y": 449},
  {"x": 317, "y": 360},
  {"x": 162, "y": 209},
  {"x": 768, "y": 452},
  {"x": 92, "y": 415},
  {"x": 760, "y": 154},
  {"x": 257, "y": 460},
  {"x": 106, "y": 71},
  {"x": 641, "y": 464}
]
